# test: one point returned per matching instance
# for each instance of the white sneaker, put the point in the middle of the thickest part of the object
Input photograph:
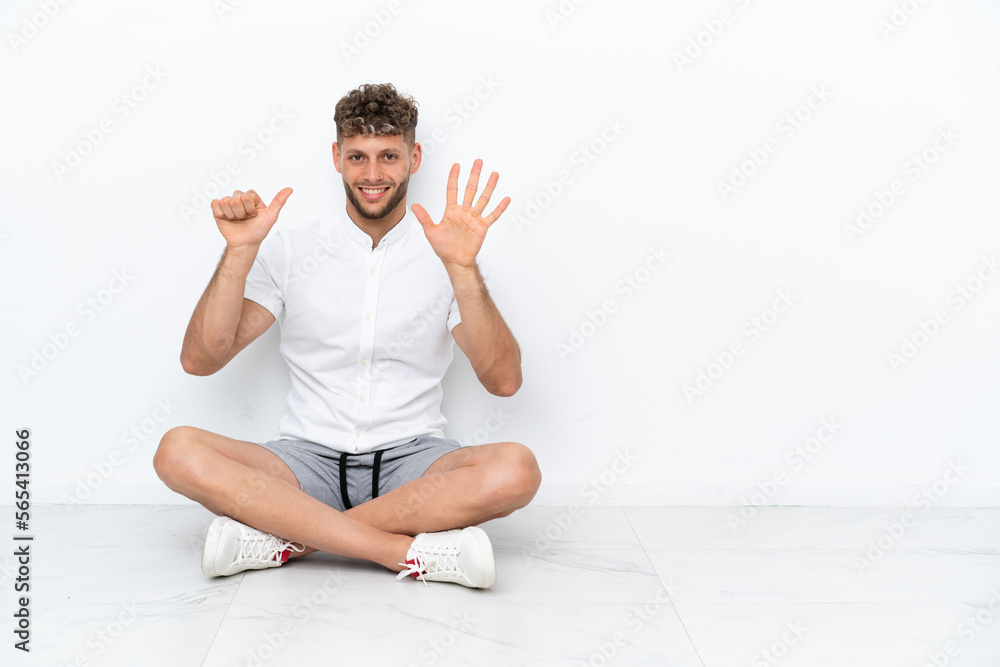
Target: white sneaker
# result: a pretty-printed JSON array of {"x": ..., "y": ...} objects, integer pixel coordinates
[
  {"x": 232, "y": 547},
  {"x": 460, "y": 556}
]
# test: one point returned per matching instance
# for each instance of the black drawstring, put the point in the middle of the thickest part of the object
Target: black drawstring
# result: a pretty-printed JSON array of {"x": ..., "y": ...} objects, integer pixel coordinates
[
  {"x": 375, "y": 469},
  {"x": 376, "y": 466},
  {"x": 343, "y": 481}
]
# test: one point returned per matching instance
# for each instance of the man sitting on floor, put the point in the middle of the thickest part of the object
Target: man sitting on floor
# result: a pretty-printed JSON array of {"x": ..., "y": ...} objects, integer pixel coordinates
[{"x": 369, "y": 305}]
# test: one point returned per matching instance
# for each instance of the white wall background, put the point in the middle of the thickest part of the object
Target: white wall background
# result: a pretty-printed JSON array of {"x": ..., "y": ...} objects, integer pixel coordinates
[{"x": 895, "y": 76}]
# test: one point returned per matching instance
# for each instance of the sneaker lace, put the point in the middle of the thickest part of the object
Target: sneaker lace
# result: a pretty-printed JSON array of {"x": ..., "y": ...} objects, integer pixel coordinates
[
  {"x": 263, "y": 546},
  {"x": 430, "y": 564}
]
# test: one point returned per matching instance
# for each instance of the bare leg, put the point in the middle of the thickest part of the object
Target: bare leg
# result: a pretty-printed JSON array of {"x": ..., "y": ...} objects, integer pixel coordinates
[
  {"x": 250, "y": 484},
  {"x": 466, "y": 487},
  {"x": 462, "y": 488}
]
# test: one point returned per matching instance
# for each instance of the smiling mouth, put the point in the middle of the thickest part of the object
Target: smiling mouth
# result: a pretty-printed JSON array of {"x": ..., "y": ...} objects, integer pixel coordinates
[{"x": 373, "y": 194}]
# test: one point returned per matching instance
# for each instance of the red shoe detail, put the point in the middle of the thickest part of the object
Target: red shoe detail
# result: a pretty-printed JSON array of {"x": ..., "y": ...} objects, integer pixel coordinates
[
  {"x": 414, "y": 561},
  {"x": 283, "y": 556}
]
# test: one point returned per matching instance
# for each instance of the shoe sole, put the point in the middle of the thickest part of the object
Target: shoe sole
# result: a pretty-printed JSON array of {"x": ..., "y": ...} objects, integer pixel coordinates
[
  {"x": 212, "y": 538},
  {"x": 485, "y": 546}
]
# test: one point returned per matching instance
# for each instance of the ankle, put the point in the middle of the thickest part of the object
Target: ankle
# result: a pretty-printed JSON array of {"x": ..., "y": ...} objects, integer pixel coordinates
[
  {"x": 397, "y": 553},
  {"x": 298, "y": 554}
]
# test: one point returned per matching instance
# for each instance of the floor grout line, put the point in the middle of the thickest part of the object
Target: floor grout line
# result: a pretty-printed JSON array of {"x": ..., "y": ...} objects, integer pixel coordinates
[
  {"x": 229, "y": 607},
  {"x": 666, "y": 586}
]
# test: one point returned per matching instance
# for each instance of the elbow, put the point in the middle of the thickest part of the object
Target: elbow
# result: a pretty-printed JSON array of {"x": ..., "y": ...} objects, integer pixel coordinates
[
  {"x": 506, "y": 387},
  {"x": 189, "y": 366},
  {"x": 192, "y": 367},
  {"x": 205, "y": 357}
]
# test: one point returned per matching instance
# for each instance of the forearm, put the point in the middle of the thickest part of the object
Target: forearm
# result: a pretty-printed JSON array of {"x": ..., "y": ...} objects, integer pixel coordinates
[
  {"x": 491, "y": 346},
  {"x": 216, "y": 318}
]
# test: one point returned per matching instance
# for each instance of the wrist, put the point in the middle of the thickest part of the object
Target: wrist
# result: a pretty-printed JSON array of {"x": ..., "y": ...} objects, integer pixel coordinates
[
  {"x": 242, "y": 251},
  {"x": 455, "y": 269},
  {"x": 239, "y": 258}
]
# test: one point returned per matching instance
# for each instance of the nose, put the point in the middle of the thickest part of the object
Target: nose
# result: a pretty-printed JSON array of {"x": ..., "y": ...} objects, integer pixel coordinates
[{"x": 372, "y": 172}]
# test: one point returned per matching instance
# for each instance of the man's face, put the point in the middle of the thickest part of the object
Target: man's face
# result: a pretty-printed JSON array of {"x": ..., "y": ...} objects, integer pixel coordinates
[{"x": 376, "y": 171}]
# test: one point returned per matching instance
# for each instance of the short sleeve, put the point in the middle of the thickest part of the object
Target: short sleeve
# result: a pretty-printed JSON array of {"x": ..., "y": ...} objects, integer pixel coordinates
[
  {"x": 454, "y": 317},
  {"x": 266, "y": 276}
]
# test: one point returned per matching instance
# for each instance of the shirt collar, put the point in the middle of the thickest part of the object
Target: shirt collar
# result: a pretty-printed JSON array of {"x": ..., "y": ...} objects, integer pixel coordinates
[{"x": 397, "y": 232}]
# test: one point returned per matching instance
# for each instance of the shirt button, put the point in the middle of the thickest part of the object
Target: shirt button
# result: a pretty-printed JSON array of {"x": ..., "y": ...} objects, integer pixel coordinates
[
  {"x": 368, "y": 316},
  {"x": 357, "y": 434},
  {"x": 364, "y": 361},
  {"x": 362, "y": 399},
  {"x": 373, "y": 272}
]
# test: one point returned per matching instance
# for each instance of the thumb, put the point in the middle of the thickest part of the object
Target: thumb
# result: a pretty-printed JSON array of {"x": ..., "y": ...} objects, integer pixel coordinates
[
  {"x": 279, "y": 201},
  {"x": 422, "y": 216}
]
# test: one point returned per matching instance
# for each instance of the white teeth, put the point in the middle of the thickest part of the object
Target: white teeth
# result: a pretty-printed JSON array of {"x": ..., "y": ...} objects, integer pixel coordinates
[{"x": 373, "y": 191}]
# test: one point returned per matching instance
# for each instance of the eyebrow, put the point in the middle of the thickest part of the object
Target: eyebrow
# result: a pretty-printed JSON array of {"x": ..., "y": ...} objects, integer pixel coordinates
[{"x": 355, "y": 151}]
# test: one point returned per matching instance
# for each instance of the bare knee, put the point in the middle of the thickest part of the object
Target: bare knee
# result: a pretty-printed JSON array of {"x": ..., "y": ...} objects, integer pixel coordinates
[
  {"x": 174, "y": 457},
  {"x": 517, "y": 476}
]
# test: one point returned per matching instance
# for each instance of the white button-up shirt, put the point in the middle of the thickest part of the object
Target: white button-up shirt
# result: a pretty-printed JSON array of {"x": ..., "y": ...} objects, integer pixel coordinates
[{"x": 366, "y": 333}]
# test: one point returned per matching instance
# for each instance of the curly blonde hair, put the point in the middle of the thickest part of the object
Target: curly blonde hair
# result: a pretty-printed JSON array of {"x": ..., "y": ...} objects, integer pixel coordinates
[{"x": 376, "y": 108}]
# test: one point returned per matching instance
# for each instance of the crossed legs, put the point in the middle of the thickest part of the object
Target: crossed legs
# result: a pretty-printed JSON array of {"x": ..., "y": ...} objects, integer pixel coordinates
[{"x": 250, "y": 484}]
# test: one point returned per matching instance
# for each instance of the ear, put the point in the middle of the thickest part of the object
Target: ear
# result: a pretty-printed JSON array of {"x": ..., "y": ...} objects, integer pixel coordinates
[
  {"x": 336, "y": 158},
  {"x": 415, "y": 156}
]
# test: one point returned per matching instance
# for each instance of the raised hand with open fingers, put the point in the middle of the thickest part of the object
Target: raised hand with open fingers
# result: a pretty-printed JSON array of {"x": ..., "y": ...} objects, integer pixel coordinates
[{"x": 460, "y": 234}]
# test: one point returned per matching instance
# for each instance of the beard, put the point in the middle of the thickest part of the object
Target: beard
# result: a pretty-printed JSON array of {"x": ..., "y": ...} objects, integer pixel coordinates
[{"x": 364, "y": 208}]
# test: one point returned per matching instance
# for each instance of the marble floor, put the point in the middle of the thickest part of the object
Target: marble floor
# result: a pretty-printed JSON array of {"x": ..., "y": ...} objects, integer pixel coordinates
[{"x": 686, "y": 586}]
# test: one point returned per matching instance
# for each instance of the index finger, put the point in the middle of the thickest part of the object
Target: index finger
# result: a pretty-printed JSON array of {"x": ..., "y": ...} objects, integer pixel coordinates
[{"x": 256, "y": 197}]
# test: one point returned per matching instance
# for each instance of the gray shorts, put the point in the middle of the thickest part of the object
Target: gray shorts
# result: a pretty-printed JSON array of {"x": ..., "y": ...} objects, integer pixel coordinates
[{"x": 321, "y": 474}]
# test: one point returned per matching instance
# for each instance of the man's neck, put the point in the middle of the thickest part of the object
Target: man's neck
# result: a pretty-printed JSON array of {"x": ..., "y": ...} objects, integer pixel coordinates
[{"x": 377, "y": 229}]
